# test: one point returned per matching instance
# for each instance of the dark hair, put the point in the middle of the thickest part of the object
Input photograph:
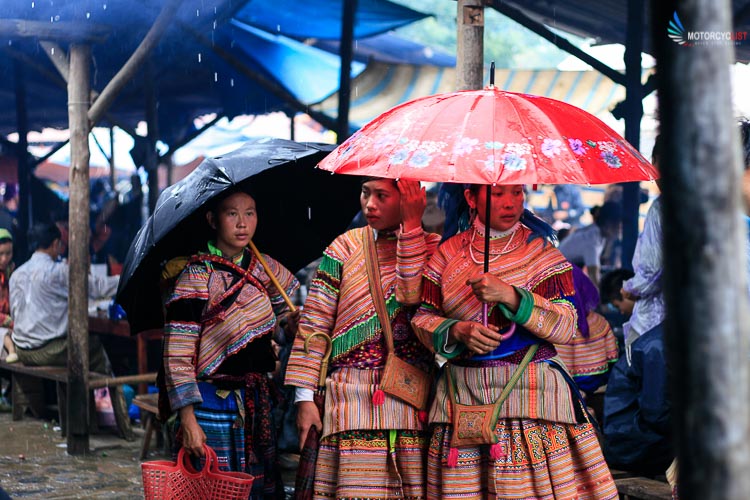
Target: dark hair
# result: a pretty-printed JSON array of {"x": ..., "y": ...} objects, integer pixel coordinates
[
  {"x": 5, "y": 240},
  {"x": 611, "y": 284},
  {"x": 369, "y": 178},
  {"x": 213, "y": 203},
  {"x": 42, "y": 235},
  {"x": 745, "y": 135},
  {"x": 658, "y": 150},
  {"x": 11, "y": 191}
]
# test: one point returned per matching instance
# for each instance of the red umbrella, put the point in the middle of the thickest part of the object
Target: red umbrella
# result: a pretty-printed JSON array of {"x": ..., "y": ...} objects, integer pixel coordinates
[{"x": 490, "y": 137}]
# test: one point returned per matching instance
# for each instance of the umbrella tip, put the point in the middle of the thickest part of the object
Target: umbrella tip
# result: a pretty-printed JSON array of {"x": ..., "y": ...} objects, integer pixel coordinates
[{"x": 492, "y": 74}]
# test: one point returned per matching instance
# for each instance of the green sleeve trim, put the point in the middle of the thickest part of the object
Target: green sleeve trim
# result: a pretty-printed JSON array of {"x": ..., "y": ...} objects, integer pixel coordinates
[
  {"x": 441, "y": 336},
  {"x": 524, "y": 308}
]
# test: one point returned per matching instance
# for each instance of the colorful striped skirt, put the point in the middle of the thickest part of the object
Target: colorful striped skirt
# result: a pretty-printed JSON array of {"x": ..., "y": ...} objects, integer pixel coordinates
[
  {"x": 541, "y": 460},
  {"x": 221, "y": 420},
  {"x": 371, "y": 465}
]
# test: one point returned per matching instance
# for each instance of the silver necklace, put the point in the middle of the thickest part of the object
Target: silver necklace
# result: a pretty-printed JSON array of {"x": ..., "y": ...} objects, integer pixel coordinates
[{"x": 493, "y": 259}]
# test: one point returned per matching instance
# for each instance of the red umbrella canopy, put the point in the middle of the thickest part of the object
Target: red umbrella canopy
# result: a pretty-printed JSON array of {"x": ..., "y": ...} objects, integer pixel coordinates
[{"x": 490, "y": 137}]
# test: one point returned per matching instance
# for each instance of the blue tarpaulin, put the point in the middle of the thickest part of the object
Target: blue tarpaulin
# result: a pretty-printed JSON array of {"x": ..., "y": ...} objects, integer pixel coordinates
[
  {"x": 321, "y": 19},
  {"x": 190, "y": 80}
]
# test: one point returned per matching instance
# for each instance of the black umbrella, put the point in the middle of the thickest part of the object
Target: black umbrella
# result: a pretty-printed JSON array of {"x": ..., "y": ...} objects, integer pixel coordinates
[{"x": 300, "y": 211}]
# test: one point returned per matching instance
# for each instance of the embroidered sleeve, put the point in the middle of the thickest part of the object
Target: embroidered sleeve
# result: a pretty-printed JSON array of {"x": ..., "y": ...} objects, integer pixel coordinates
[
  {"x": 181, "y": 339},
  {"x": 430, "y": 324},
  {"x": 547, "y": 310},
  {"x": 318, "y": 315},
  {"x": 412, "y": 253}
]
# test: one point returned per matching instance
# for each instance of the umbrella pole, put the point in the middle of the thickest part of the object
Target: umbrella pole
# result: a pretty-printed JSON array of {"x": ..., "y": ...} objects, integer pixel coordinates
[
  {"x": 271, "y": 275},
  {"x": 485, "y": 307}
]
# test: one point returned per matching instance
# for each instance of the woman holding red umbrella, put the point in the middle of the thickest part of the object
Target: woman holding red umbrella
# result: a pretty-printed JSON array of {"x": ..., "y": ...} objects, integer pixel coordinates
[
  {"x": 372, "y": 443},
  {"x": 506, "y": 422}
]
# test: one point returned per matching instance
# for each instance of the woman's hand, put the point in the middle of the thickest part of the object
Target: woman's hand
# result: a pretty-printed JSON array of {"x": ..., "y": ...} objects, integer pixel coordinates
[
  {"x": 627, "y": 295},
  {"x": 292, "y": 323},
  {"x": 193, "y": 437},
  {"x": 489, "y": 288},
  {"x": 307, "y": 416},
  {"x": 413, "y": 203},
  {"x": 475, "y": 336}
]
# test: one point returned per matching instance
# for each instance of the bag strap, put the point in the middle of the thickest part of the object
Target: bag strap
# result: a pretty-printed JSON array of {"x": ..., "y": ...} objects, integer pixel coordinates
[
  {"x": 508, "y": 386},
  {"x": 376, "y": 288}
]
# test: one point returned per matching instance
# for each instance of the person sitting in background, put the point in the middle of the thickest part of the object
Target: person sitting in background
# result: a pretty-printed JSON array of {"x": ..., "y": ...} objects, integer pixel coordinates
[
  {"x": 636, "y": 419},
  {"x": 39, "y": 308},
  {"x": 583, "y": 247},
  {"x": 6, "y": 268},
  {"x": 39, "y": 303},
  {"x": 645, "y": 287}
]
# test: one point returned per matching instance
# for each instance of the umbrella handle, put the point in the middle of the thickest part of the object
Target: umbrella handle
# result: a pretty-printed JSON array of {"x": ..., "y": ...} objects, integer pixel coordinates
[
  {"x": 505, "y": 336},
  {"x": 326, "y": 355},
  {"x": 271, "y": 275}
]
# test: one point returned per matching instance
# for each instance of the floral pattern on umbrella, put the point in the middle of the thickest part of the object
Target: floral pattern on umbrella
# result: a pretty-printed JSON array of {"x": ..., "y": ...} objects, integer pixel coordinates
[{"x": 490, "y": 136}]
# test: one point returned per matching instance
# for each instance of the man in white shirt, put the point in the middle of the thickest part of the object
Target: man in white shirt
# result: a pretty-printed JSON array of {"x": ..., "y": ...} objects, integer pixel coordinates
[{"x": 39, "y": 303}]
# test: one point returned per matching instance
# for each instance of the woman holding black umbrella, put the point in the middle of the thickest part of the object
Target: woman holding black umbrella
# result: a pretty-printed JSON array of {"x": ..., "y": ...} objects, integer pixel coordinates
[
  {"x": 221, "y": 316},
  {"x": 506, "y": 422},
  {"x": 362, "y": 297}
]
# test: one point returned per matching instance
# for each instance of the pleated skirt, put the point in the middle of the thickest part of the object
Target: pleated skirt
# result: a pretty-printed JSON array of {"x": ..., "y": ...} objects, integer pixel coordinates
[
  {"x": 371, "y": 465},
  {"x": 540, "y": 460}
]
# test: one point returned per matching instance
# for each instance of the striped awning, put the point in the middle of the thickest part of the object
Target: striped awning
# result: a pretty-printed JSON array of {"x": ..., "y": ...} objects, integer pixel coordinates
[{"x": 382, "y": 86}]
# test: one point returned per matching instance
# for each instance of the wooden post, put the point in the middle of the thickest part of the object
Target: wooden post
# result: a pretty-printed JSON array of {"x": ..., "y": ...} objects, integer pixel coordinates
[
  {"x": 78, "y": 250},
  {"x": 112, "y": 163},
  {"x": 345, "y": 76},
  {"x": 23, "y": 165},
  {"x": 631, "y": 191},
  {"x": 470, "y": 47},
  {"x": 152, "y": 156},
  {"x": 705, "y": 282}
]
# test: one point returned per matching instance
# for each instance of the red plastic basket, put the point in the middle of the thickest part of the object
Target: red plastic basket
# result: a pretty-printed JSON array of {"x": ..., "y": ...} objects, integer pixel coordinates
[{"x": 166, "y": 480}]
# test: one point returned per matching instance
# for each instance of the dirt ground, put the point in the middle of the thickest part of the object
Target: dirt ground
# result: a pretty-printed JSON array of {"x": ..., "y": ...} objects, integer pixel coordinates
[{"x": 35, "y": 464}]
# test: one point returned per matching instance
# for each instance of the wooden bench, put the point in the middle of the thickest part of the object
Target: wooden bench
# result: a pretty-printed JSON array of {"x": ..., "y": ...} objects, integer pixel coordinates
[
  {"x": 149, "y": 405},
  {"x": 643, "y": 488},
  {"x": 28, "y": 391}
]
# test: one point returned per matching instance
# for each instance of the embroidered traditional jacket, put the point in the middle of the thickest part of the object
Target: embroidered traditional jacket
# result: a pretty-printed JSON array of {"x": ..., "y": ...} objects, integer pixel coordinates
[
  {"x": 195, "y": 346},
  {"x": 340, "y": 305},
  {"x": 543, "y": 278}
]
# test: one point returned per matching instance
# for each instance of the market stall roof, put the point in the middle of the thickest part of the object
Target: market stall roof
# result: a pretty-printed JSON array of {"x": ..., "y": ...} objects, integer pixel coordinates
[
  {"x": 191, "y": 79},
  {"x": 606, "y": 20}
]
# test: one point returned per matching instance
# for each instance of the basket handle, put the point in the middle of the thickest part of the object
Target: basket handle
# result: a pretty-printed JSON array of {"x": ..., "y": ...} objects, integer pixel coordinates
[
  {"x": 186, "y": 467},
  {"x": 212, "y": 461}
]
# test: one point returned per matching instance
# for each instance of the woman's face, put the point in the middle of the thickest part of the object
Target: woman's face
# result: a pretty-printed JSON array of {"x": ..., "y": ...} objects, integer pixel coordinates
[
  {"x": 6, "y": 254},
  {"x": 234, "y": 220},
  {"x": 381, "y": 204},
  {"x": 506, "y": 205}
]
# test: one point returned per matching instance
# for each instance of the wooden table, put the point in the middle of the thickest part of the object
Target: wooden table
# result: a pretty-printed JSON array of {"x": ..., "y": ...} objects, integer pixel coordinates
[{"x": 102, "y": 325}]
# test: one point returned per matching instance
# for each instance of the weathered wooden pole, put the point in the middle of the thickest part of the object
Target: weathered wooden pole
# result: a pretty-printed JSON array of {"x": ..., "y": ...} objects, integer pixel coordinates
[
  {"x": 23, "y": 165},
  {"x": 470, "y": 47},
  {"x": 705, "y": 282},
  {"x": 633, "y": 114},
  {"x": 152, "y": 123},
  {"x": 78, "y": 250},
  {"x": 346, "y": 51},
  {"x": 112, "y": 162}
]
